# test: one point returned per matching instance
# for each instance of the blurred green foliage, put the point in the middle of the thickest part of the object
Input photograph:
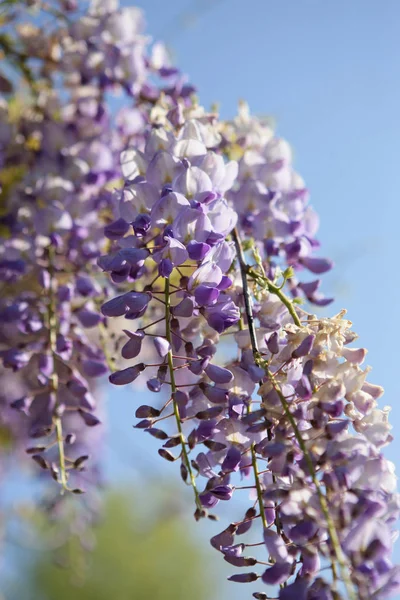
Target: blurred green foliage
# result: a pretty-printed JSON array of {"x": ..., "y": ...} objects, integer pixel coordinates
[{"x": 135, "y": 558}]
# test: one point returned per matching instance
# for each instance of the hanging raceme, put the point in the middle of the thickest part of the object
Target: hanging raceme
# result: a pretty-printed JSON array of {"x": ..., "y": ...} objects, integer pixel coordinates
[{"x": 164, "y": 246}]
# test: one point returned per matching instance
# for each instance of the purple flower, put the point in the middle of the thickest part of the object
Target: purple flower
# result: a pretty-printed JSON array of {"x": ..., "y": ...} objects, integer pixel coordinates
[
  {"x": 85, "y": 286},
  {"x": 197, "y": 250},
  {"x": 304, "y": 348},
  {"x": 116, "y": 229},
  {"x": 126, "y": 376},
  {"x": 184, "y": 308},
  {"x": 275, "y": 545},
  {"x": 243, "y": 577},
  {"x": 162, "y": 346},
  {"x": 294, "y": 591},
  {"x": 127, "y": 304},
  {"x": 277, "y": 574},
  {"x": 89, "y": 419},
  {"x": 222, "y": 492},
  {"x": 214, "y": 394},
  {"x": 232, "y": 459},
  {"x": 132, "y": 347},
  {"x": 94, "y": 368},
  {"x": 206, "y": 295},
  {"x": 223, "y": 314},
  {"x": 317, "y": 265},
  {"x": 88, "y": 317},
  {"x": 219, "y": 374}
]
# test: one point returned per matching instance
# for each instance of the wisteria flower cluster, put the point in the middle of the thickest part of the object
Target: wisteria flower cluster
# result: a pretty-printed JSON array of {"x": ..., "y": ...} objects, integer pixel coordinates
[
  {"x": 166, "y": 247},
  {"x": 59, "y": 160},
  {"x": 272, "y": 203}
]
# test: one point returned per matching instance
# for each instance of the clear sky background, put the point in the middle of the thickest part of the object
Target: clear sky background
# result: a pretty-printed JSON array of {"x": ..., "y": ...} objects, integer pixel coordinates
[{"x": 328, "y": 72}]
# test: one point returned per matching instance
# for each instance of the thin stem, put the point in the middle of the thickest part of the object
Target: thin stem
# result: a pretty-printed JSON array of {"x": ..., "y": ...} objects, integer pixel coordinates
[
  {"x": 163, "y": 418},
  {"x": 151, "y": 324},
  {"x": 158, "y": 299},
  {"x": 185, "y": 454},
  {"x": 337, "y": 549},
  {"x": 52, "y": 324},
  {"x": 258, "y": 487},
  {"x": 246, "y": 292},
  {"x": 274, "y": 289},
  {"x": 254, "y": 545},
  {"x": 256, "y": 353}
]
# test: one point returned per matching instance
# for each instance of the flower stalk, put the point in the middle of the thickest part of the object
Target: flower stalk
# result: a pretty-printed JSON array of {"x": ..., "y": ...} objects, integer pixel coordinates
[
  {"x": 256, "y": 354},
  {"x": 337, "y": 550},
  {"x": 170, "y": 360},
  {"x": 53, "y": 328}
]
